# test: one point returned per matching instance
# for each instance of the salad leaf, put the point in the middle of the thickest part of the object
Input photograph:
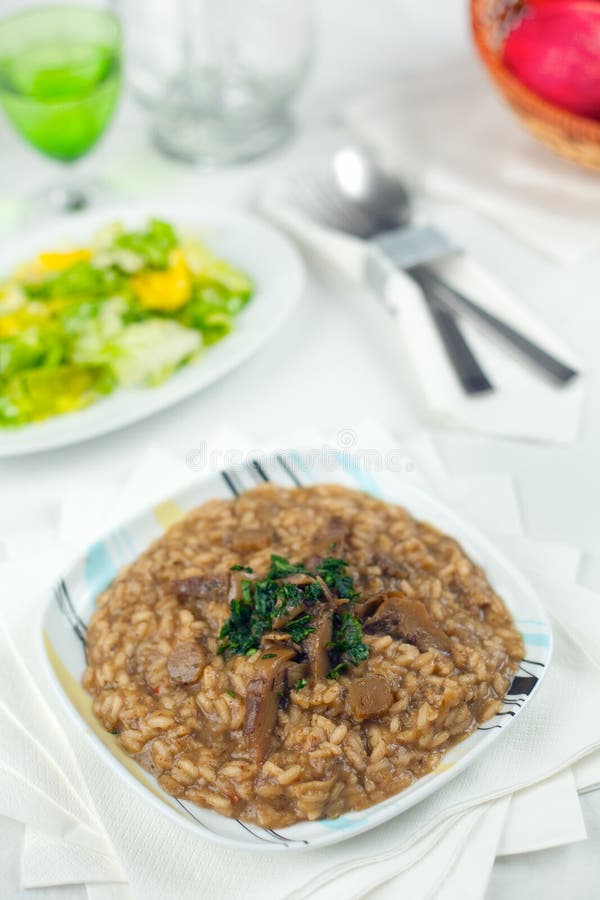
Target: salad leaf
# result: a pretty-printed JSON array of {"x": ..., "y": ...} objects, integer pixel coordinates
[
  {"x": 150, "y": 351},
  {"x": 209, "y": 270},
  {"x": 82, "y": 279},
  {"x": 218, "y": 297},
  {"x": 35, "y": 346},
  {"x": 39, "y": 393},
  {"x": 102, "y": 319},
  {"x": 214, "y": 323},
  {"x": 152, "y": 246},
  {"x": 129, "y": 308},
  {"x": 143, "y": 352}
]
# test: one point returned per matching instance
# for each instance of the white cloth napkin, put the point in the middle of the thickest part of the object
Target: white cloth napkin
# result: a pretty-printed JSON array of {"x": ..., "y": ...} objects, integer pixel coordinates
[
  {"x": 41, "y": 788},
  {"x": 524, "y": 405},
  {"x": 449, "y": 130},
  {"x": 532, "y": 824},
  {"x": 161, "y": 859}
]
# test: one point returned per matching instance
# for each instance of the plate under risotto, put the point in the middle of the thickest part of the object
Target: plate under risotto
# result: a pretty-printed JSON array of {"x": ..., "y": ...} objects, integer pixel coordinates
[{"x": 293, "y": 654}]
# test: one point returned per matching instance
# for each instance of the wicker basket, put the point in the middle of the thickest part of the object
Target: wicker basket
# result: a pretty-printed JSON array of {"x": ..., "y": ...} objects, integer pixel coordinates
[{"x": 574, "y": 137}]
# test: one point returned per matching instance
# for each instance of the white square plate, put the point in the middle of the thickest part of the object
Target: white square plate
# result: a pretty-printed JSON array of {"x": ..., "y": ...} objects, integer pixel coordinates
[{"x": 72, "y": 602}]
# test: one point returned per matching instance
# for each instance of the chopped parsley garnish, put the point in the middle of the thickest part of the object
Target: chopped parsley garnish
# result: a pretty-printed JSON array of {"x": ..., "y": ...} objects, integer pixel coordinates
[
  {"x": 301, "y": 683},
  {"x": 290, "y": 596},
  {"x": 299, "y": 628},
  {"x": 281, "y": 567},
  {"x": 287, "y": 606},
  {"x": 336, "y": 671},
  {"x": 239, "y": 568},
  {"x": 243, "y": 630},
  {"x": 232, "y": 693},
  {"x": 347, "y": 643},
  {"x": 334, "y": 573}
]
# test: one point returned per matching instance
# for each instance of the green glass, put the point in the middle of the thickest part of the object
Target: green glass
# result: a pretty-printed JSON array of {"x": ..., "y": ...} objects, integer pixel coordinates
[{"x": 60, "y": 75}]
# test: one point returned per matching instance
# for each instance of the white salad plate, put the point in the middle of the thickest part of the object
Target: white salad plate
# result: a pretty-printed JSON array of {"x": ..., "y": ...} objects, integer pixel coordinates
[
  {"x": 71, "y": 603},
  {"x": 246, "y": 242}
]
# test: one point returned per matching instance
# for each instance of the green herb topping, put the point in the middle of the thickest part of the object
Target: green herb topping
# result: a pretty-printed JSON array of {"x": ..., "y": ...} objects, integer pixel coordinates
[
  {"x": 281, "y": 568},
  {"x": 300, "y": 628},
  {"x": 347, "y": 643},
  {"x": 283, "y": 603},
  {"x": 334, "y": 573}
]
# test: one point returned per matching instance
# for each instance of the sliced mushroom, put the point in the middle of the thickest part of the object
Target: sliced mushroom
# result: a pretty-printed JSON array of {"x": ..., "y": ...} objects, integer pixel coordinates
[
  {"x": 299, "y": 578},
  {"x": 368, "y": 606},
  {"x": 315, "y": 644},
  {"x": 328, "y": 542},
  {"x": 327, "y": 593},
  {"x": 332, "y": 537},
  {"x": 193, "y": 591},
  {"x": 186, "y": 663},
  {"x": 390, "y": 566},
  {"x": 369, "y": 697},
  {"x": 408, "y": 620},
  {"x": 280, "y": 637},
  {"x": 289, "y": 613},
  {"x": 249, "y": 540},
  {"x": 295, "y": 672},
  {"x": 235, "y": 583},
  {"x": 263, "y": 696}
]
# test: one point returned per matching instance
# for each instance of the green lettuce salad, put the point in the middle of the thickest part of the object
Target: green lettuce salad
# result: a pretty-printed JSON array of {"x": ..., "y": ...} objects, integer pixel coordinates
[{"x": 128, "y": 309}]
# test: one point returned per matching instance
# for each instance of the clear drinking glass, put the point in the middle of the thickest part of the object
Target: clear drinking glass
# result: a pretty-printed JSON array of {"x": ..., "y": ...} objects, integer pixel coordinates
[
  {"x": 218, "y": 75},
  {"x": 60, "y": 76}
]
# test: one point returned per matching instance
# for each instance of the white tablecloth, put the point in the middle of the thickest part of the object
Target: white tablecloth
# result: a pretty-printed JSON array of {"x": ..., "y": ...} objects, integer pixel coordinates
[{"x": 360, "y": 44}]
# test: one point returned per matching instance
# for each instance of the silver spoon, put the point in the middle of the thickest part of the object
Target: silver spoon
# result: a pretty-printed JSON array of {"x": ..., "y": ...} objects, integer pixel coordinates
[
  {"x": 378, "y": 209},
  {"x": 363, "y": 185}
]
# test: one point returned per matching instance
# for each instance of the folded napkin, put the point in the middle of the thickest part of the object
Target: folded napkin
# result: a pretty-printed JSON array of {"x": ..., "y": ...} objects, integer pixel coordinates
[
  {"x": 587, "y": 773},
  {"x": 43, "y": 792},
  {"x": 449, "y": 130},
  {"x": 524, "y": 405},
  {"x": 468, "y": 877},
  {"x": 532, "y": 823},
  {"x": 161, "y": 859}
]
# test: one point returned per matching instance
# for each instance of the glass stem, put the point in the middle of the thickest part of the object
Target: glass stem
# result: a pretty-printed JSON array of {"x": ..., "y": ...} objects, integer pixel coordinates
[{"x": 68, "y": 198}]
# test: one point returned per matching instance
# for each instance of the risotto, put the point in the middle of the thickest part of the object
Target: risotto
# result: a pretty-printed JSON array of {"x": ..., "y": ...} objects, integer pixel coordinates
[{"x": 294, "y": 654}]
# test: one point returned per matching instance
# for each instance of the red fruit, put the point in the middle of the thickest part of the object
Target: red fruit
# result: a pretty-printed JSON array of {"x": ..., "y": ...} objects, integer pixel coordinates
[
  {"x": 555, "y": 51},
  {"x": 543, "y": 3},
  {"x": 551, "y": 2}
]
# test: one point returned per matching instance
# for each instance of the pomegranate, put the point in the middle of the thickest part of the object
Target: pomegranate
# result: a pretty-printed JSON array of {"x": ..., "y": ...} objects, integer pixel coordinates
[{"x": 555, "y": 51}]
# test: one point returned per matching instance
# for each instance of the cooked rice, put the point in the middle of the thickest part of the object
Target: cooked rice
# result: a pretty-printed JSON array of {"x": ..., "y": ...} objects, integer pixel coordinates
[{"x": 321, "y": 761}]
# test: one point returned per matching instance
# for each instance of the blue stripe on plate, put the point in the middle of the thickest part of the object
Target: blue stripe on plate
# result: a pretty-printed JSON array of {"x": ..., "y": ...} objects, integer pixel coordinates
[
  {"x": 344, "y": 823},
  {"x": 363, "y": 479},
  {"x": 536, "y": 640},
  {"x": 99, "y": 567},
  {"x": 124, "y": 546}
]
